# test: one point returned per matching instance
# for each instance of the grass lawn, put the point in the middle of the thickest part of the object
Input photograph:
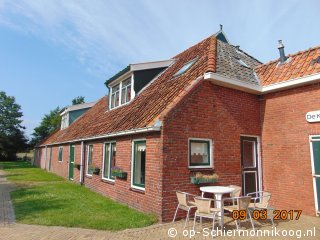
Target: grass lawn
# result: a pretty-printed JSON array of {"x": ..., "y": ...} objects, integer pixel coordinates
[{"x": 46, "y": 199}]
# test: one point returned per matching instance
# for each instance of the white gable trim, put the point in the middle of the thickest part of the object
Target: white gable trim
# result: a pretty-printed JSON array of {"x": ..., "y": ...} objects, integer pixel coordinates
[{"x": 250, "y": 88}]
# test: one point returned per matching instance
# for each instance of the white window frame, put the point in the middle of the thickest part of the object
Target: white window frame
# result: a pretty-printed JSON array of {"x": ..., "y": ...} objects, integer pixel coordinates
[
  {"x": 126, "y": 90},
  {"x": 120, "y": 90},
  {"x": 103, "y": 161},
  {"x": 132, "y": 163},
  {"x": 61, "y": 154},
  {"x": 88, "y": 152},
  {"x": 113, "y": 93},
  {"x": 211, "y": 158}
]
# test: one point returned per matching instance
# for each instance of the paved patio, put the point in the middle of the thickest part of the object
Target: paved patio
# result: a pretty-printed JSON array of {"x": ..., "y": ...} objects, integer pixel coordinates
[{"x": 9, "y": 230}]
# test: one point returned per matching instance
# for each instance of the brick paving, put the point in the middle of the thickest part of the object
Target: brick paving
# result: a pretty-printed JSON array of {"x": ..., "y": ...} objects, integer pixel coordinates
[
  {"x": 13, "y": 231},
  {"x": 6, "y": 209}
]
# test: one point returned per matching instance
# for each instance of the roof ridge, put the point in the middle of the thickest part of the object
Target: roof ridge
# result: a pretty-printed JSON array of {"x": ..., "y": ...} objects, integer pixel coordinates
[
  {"x": 289, "y": 55},
  {"x": 212, "y": 55}
]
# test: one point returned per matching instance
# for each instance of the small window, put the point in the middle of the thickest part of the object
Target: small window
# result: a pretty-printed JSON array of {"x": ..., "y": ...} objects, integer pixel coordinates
[
  {"x": 60, "y": 156},
  {"x": 89, "y": 160},
  {"x": 109, "y": 160},
  {"x": 186, "y": 67},
  {"x": 115, "y": 96},
  {"x": 126, "y": 91},
  {"x": 200, "y": 153},
  {"x": 139, "y": 164}
]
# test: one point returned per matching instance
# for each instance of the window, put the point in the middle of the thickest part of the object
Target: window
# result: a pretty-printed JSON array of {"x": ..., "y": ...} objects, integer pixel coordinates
[
  {"x": 186, "y": 67},
  {"x": 115, "y": 96},
  {"x": 126, "y": 91},
  {"x": 64, "y": 121},
  {"x": 200, "y": 153},
  {"x": 109, "y": 160},
  {"x": 121, "y": 93},
  {"x": 60, "y": 157},
  {"x": 139, "y": 164},
  {"x": 89, "y": 160}
]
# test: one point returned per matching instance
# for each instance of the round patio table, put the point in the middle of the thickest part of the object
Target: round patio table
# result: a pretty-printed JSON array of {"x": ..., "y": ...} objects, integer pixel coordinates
[{"x": 218, "y": 191}]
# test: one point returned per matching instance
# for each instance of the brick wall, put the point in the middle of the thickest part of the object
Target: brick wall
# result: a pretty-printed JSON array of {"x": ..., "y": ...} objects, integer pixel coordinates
[
  {"x": 119, "y": 190},
  {"x": 286, "y": 149},
  {"x": 212, "y": 112}
]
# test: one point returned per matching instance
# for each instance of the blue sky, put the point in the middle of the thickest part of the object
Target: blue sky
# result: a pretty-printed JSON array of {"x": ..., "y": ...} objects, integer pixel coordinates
[{"x": 52, "y": 51}]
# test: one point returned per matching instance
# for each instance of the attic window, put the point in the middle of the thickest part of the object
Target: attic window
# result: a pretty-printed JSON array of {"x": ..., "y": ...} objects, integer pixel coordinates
[
  {"x": 186, "y": 67},
  {"x": 242, "y": 63},
  {"x": 314, "y": 61}
]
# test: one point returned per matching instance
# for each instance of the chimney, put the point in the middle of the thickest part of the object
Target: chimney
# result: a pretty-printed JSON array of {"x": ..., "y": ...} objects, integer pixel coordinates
[{"x": 283, "y": 57}]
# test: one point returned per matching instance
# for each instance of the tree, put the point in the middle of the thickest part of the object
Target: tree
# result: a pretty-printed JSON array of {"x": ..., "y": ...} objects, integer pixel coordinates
[
  {"x": 12, "y": 137},
  {"x": 78, "y": 100},
  {"x": 49, "y": 123}
]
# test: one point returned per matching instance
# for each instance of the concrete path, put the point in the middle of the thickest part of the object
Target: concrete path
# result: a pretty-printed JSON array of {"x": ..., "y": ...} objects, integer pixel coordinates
[{"x": 6, "y": 209}]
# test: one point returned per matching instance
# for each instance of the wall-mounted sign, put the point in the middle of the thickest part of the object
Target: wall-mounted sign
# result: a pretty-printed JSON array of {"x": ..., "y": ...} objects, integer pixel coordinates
[{"x": 313, "y": 116}]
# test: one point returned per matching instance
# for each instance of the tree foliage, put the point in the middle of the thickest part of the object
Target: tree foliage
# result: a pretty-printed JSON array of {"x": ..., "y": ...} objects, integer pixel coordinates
[
  {"x": 49, "y": 123},
  {"x": 78, "y": 100},
  {"x": 12, "y": 137}
]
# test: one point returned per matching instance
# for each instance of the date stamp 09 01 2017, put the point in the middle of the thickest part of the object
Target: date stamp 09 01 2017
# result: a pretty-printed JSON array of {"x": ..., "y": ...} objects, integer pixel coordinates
[{"x": 263, "y": 214}]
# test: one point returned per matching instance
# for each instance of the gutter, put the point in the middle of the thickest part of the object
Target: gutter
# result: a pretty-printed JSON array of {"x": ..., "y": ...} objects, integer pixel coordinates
[
  {"x": 260, "y": 90},
  {"x": 109, "y": 135}
]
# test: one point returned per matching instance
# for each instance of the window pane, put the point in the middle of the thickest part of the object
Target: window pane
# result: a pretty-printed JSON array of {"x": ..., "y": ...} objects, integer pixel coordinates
[
  {"x": 106, "y": 161},
  {"x": 199, "y": 153},
  {"x": 60, "y": 154},
  {"x": 123, "y": 96},
  {"x": 112, "y": 159},
  {"x": 128, "y": 94},
  {"x": 139, "y": 166},
  {"x": 112, "y": 100},
  {"x": 248, "y": 154},
  {"x": 126, "y": 82},
  {"x": 117, "y": 99},
  {"x": 89, "y": 160}
]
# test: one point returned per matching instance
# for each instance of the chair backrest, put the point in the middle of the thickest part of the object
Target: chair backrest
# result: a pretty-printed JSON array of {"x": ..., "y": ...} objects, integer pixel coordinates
[
  {"x": 243, "y": 202},
  {"x": 265, "y": 198},
  {"x": 236, "y": 192},
  {"x": 182, "y": 198},
  {"x": 203, "y": 205}
]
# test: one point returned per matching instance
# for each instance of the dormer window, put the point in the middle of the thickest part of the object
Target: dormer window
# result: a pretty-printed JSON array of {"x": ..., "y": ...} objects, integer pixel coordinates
[
  {"x": 126, "y": 91},
  {"x": 115, "y": 95},
  {"x": 121, "y": 93}
]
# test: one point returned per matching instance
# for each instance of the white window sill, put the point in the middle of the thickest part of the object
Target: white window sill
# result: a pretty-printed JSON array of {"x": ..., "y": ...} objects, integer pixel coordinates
[
  {"x": 202, "y": 167},
  {"x": 108, "y": 180},
  {"x": 138, "y": 188}
]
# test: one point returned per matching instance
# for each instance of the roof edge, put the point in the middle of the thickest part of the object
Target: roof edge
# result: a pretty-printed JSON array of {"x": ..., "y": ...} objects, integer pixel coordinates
[
  {"x": 108, "y": 135},
  {"x": 260, "y": 90}
]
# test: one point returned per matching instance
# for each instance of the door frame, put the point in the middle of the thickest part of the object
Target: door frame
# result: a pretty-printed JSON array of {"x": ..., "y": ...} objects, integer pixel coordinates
[
  {"x": 259, "y": 167},
  {"x": 313, "y": 173},
  {"x": 74, "y": 158}
]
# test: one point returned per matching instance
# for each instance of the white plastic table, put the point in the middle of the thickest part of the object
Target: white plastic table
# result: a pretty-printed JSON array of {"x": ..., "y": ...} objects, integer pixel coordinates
[{"x": 218, "y": 191}]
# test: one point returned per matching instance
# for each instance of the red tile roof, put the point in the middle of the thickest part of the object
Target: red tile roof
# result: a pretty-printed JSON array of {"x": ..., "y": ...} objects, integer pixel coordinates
[
  {"x": 151, "y": 104},
  {"x": 166, "y": 90},
  {"x": 298, "y": 65}
]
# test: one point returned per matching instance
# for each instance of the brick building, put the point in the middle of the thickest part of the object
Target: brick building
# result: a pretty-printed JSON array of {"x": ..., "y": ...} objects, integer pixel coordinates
[{"x": 213, "y": 109}]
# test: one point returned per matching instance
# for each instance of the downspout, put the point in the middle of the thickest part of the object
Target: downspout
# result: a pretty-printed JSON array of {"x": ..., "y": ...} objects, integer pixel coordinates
[{"x": 81, "y": 163}]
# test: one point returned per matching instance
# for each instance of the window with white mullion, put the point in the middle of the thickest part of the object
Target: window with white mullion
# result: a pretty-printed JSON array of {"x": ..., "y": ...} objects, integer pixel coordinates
[
  {"x": 126, "y": 91},
  {"x": 115, "y": 95},
  {"x": 109, "y": 160}
]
